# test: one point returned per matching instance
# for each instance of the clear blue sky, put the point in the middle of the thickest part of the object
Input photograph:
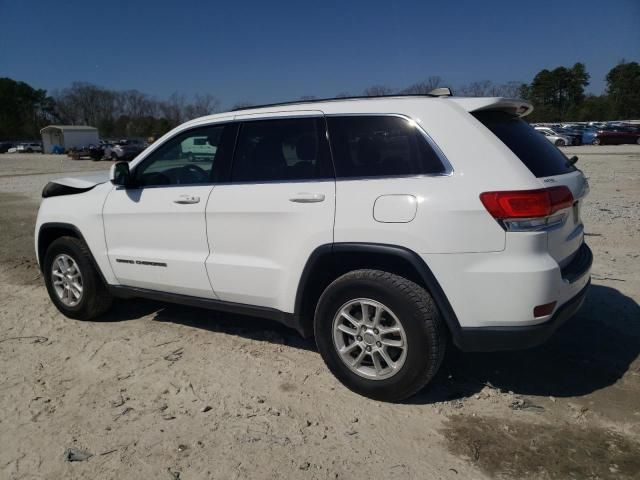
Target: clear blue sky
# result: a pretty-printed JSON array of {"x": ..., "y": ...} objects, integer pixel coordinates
[{"x": 265, "y": 51}]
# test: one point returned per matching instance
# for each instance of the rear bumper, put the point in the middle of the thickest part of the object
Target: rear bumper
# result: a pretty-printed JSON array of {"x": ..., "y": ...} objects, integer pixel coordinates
[
  {"x": 492, "y": 296},
  {"x": 488, "y": 339}
]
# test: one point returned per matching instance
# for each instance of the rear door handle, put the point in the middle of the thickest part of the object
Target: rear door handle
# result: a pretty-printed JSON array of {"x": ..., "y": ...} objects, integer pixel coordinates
[
  {"x": 307, "y": 198},
  {"x": 186, "y": 199}
]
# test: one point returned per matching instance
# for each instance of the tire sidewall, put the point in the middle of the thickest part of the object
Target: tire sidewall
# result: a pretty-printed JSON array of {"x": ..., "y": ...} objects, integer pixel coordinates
[
  {"x": 70, "y": 247},
  {"x": 418, "y": 342}
]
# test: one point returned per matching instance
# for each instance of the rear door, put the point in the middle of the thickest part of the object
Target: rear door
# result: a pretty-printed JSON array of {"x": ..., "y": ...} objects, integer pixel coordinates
[
  {"x": 552, "y": 168},
  {"x": 276, "y": 210}
]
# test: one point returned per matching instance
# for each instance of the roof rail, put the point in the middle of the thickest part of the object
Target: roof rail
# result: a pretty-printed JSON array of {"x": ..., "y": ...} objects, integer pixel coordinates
[{"x": 438, "y": 92}]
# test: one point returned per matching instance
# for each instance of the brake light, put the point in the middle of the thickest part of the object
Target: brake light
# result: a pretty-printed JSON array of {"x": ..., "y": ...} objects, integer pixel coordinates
[{"x": 526, "y": 203}]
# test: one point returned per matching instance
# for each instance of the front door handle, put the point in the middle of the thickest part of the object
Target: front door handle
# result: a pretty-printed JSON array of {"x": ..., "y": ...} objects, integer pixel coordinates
[
  {"x": 186, "y": 199},
  {"x": 307, "y": 198}
]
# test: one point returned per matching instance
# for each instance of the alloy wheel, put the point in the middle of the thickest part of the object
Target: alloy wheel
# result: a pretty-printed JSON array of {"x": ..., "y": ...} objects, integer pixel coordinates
[
  {"x": 369, "y": 339},
  {"x": 67, "y": 280}
]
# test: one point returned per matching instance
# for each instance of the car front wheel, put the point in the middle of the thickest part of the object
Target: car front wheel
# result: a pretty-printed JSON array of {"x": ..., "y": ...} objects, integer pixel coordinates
[
  {"x": 380, "y": 334},
  {"x": 72, "y": 281}
]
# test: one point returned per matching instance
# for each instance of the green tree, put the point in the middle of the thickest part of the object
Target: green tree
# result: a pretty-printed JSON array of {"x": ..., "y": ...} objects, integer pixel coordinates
[
  {"x": 557, "y": 94},
  {"x": 623, "y": 89},
  {"x": 23, "y": 110}
]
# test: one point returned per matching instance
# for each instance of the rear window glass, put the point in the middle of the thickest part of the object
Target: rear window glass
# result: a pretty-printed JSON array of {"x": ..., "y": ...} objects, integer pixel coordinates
[
  {"x": 539, "y": 155},
  {"x": 380, "y": 146}
]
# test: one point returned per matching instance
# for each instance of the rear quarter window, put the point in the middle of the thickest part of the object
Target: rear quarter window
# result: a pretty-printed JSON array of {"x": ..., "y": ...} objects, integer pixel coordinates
[
  {"x": 533, "y": 149},
  {"x": 380, "y": 146}
]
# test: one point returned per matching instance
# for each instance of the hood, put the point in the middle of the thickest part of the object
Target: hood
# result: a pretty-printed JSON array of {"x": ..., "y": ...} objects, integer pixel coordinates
[{"x": 75, "y": 184}]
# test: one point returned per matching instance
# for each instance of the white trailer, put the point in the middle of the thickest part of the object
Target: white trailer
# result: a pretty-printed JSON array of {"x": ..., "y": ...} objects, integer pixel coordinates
[{"x": 68, "y": 136}]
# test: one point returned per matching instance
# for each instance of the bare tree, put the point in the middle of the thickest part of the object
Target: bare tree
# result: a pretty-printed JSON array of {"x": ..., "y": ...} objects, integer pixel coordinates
[
  {"x": 85, "y": 103},
  {"x": 202, "y": 105},
  {"x": 173, "y": 108},
  {"x": 481, "y": 88},
  {"x": 510, "y": 89},
  {"x": 343, "y": 95},
  {"x": 486, "y": 88},
  {"x": 377, "y": 90},
  {"x": 424, "y": 87}
]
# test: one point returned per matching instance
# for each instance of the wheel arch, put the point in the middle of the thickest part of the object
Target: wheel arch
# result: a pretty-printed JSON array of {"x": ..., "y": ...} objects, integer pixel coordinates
[
  {"x": 51, "y": 231},
  {"x": 329, "y": 262}
]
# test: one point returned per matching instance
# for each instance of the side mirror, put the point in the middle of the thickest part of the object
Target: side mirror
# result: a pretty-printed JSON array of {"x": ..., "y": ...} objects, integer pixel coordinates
[
  {"x": 120, "y": 174},
  {"x": 573, "y": 160}
]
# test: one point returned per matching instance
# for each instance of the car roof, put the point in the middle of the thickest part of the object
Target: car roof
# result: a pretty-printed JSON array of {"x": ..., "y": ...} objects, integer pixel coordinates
[{"x": 381, "y": 104}]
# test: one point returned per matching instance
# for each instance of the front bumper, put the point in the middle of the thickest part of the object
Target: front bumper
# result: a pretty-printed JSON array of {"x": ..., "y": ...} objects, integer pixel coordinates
[{"x": 489, "y": 339}]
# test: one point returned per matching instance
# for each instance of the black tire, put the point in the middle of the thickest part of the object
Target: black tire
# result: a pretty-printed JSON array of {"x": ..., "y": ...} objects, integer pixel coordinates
[
  {"x": 114, "y": 156},
  {"x": 95, "y": 299},
  {"x": 415, "y": 309},
  {"x": 29, "y": 150},
  {"x": 596, "y": 141},
  {"x": 560, "y": 143}
]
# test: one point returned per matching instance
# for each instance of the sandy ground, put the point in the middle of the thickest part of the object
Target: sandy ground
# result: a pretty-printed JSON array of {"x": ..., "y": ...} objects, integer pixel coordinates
[{"x": 168, "y": 392}]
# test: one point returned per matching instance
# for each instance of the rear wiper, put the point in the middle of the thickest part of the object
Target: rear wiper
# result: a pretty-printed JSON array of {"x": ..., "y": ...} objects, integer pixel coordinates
[{"x": 573, "y": 160}]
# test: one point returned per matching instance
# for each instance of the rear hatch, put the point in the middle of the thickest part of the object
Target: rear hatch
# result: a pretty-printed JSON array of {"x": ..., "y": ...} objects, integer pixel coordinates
[{"x": 553, "y": 169}]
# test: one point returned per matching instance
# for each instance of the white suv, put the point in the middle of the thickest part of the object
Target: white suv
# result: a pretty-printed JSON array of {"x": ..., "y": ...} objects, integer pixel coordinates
[{"x": 382, "y": 226}]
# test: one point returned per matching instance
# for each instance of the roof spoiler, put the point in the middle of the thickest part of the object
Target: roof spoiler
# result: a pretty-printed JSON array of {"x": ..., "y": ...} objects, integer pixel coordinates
[{"x": 513, "y": 106}]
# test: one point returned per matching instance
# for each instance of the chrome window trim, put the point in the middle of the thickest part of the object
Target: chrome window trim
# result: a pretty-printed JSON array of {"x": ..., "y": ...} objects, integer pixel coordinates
[
  {"x": 448, "y": 168},
  {"x": 282, "y": 115}
]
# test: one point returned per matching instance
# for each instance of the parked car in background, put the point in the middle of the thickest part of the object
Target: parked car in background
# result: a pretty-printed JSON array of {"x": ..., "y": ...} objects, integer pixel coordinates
[
  {"x": 29, "y": 148},
  {"x": 126, "y": 150},
  {"x": 557, "y": 140},
  {"x": 611, "y": 136},
  {"x": 5, "y": 146},
  {"x": 574, "y": 138},
  {"x": 197, "y": 148}
]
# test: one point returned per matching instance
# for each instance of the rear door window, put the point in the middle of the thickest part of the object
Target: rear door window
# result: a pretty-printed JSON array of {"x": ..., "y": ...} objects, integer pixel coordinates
[
  {"x": 538, "y": 154},
  {"x": 282, "y": 150},
  {"x": 380, "y": 146}
]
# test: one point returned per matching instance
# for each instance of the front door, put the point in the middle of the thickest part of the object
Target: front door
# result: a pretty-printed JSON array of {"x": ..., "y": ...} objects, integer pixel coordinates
[
  {"x": 276, "y": 210},
  {"x": 156, "y": 230}
]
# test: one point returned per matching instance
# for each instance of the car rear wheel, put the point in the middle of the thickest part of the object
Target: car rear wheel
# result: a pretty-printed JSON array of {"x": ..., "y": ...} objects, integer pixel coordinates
[
  {"x": 380, "y": 334},
  {"x": 72, "y": 281},
  {"x": 560, "y": 143},
  {"x": 638, "y": 140},
  {"x": 595, "y": 141},
  {"x": 114, "y": 156}
]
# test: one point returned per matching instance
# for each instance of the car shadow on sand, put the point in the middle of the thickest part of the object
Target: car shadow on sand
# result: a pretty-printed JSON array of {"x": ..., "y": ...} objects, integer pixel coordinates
[
  {"x": 232, "y": 324},
  {"x": 591, "y": 351}
]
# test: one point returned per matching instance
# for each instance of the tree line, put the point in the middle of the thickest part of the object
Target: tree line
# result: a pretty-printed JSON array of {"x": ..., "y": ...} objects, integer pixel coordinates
[{"x": 557, "y": 95}]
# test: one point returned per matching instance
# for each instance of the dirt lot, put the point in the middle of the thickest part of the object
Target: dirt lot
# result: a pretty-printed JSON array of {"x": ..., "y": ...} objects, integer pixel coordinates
[{"x": 157, "y": 391}]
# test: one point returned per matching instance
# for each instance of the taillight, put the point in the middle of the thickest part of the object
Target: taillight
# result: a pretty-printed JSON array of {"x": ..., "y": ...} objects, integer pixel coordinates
[{"x": 536, "y": 208}]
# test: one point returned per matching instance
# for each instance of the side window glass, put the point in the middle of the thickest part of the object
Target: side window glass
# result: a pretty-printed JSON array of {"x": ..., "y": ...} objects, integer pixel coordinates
[
  {"x": 191, "y": 158},
  {"x": 281, "y": 150},
  {"x": 380, "y": 146}
]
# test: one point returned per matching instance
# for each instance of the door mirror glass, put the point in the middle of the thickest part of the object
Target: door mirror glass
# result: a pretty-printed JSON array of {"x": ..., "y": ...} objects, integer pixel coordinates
[{"x": 120, "y": 174}]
